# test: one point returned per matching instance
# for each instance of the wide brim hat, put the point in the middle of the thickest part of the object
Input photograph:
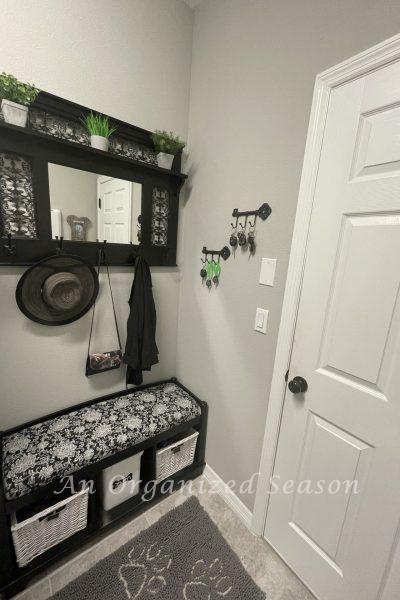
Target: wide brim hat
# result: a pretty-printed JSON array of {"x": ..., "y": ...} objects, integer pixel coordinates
[{"x": 57, "y": 290}]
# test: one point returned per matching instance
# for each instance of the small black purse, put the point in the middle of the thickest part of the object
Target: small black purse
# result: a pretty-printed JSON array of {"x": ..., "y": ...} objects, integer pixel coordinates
[{"x": 100, "y": 362}]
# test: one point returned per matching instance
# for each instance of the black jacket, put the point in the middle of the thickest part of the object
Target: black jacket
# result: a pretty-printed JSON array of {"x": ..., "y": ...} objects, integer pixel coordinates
[{"x": 141, "y": 350}]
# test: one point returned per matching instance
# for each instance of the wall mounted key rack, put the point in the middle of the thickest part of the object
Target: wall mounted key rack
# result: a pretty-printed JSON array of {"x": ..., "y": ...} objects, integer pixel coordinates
[
  {"x": 211, "y": 268},
  {"x": 224, "y": 252},
  {"x": 263, "y": 212},
  {"x": 244, "y": 238}
]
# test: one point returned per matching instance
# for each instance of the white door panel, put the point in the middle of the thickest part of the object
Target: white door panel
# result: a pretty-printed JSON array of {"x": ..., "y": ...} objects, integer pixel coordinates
[
  {"x": 322, "y": 518},
  {"x": 353, "y": 319},
  {"x": 114, "y": 214},
  {"x": 346, "y": 426}
]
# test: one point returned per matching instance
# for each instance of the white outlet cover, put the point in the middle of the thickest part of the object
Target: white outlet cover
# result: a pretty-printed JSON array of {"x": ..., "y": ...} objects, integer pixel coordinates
[
  {"x": 261, "y": 321},
  {"x": 267, "y": 272}
]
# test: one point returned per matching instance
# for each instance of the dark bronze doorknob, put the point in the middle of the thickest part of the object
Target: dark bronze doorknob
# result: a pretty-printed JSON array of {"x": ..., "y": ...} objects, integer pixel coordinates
[{"x": 298, "y": 385}]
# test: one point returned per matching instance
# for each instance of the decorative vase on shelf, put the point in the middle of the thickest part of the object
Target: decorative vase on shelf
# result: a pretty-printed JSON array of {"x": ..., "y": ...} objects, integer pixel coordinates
[
  {"x": 165, "y": 160},
  {"x": 99, "y": 142},
  {"x": 14, "y": 113}
]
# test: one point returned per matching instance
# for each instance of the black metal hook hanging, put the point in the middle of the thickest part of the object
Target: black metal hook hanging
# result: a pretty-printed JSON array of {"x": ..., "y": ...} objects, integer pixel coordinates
[
  {"x": 136, "y": 252},
  {"x": 252, "y": 225},
  {"x": 10, "y": 248},
  {"x": 60, "y": 241},
  {"x": 243, "y": 226},
  {"x": 101, "y": 247}
]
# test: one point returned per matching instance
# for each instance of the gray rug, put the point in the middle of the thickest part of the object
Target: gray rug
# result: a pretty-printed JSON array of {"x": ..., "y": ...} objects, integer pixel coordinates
[{"x": 182, "y": 556}]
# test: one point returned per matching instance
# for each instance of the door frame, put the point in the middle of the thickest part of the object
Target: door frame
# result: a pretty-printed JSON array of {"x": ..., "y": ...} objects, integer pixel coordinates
[{"x": 358, "y": 66}]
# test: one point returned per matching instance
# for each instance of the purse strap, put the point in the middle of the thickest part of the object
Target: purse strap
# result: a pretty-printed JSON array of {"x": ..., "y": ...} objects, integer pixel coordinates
[{"x": 102, "y": 258}]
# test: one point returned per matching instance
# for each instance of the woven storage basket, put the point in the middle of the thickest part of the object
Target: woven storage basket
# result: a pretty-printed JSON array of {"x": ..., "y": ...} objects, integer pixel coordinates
[
  {"x": 37, "y": 534},
  {"x": 175, "y": 457}
]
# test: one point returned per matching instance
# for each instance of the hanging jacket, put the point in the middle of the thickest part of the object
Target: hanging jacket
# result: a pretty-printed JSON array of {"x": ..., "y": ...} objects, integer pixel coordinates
[{"x": 141, "y": 350}]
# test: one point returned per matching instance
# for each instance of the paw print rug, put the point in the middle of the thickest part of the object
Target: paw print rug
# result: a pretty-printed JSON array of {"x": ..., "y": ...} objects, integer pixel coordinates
[{"x": 181, "y": 557}]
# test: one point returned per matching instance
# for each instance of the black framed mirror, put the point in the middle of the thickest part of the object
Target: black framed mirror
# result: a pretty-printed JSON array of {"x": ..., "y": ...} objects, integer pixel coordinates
[
  {"x": 87, "y": 207},
  {"x": 54, "y": 185}
]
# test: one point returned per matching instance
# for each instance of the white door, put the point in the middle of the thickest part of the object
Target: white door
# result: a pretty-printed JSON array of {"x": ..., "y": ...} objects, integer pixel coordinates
[
  {"x": 346, "y": 426},
  {"x": 114, "y": 210}
]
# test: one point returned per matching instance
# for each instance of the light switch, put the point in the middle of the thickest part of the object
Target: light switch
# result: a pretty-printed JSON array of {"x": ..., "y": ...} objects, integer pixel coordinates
[
  {"x": 267, "y": 274},
  {"x": 261, "y": 320}
]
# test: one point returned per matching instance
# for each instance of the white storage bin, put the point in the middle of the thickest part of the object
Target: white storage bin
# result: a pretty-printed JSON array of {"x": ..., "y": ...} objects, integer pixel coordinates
[
  {"x": 121, "y": 481},
  {"x": 176, "y": 456},
  {"x": 49, "y": 527}
]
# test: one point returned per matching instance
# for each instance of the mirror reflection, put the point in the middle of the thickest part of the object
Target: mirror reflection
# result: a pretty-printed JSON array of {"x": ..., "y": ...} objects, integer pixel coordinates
[{"x": 86, "y": 206}]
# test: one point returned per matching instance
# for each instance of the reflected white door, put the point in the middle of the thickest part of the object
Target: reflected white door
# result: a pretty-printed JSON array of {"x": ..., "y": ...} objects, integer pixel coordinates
[
  {"x": 346, "y": 426},
  {"x": 114, "y": 210}
]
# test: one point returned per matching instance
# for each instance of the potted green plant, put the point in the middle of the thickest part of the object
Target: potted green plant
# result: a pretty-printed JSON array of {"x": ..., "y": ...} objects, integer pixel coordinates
[
  {"x": 100, "y": 130},
  {"x": 166, "y": 146},
  {"x": 15, "y": 99}
]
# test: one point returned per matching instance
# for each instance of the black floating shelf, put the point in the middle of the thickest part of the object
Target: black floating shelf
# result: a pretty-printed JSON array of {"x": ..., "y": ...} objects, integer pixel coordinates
[{"x": 38, "y": 136}]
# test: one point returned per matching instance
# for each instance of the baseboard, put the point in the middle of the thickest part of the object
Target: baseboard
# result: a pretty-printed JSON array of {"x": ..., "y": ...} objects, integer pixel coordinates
[{"x": 233, "y": 501}]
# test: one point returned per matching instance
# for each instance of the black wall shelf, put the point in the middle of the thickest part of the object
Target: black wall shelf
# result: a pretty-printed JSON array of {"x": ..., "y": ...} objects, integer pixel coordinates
[
  {"x": 82, "y": 150},
  {"x": 55, "y": 134}
]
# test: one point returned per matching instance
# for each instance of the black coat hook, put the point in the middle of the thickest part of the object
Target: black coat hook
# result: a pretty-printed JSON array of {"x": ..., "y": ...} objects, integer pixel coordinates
[
  {"x": 101, "y": 247},
  {"x": 252, "y": 225},
  {"x": 60, "y": 241},
  {"x": 10, "y": 248}
]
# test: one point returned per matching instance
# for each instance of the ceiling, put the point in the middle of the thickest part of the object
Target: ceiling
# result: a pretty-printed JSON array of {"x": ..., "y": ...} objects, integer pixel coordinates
[{"x": 193, "y": 3}]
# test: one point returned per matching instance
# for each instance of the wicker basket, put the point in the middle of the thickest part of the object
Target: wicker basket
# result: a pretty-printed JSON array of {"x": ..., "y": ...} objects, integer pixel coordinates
[
  {"x": 175, "y": 457},
  {"x": 37, "y": 534}
]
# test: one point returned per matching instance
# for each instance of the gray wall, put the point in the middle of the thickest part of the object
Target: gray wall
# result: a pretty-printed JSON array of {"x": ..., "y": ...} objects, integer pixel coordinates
[
  {"x": 253, "y": 70},
  {"x": 254, "y": 64},
  {"x": 130, "y": 59}
]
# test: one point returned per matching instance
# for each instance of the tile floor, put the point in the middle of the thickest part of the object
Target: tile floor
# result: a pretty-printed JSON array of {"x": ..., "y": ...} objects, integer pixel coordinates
[{"x": 261, "y": 562}]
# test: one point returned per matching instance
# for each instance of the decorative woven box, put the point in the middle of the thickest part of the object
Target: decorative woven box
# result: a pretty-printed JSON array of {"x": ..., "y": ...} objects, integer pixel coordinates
[
  {"x": 49, "y": 527},
  {"x": 176, "y": 456},
  {"x": 121, "y": 481}
]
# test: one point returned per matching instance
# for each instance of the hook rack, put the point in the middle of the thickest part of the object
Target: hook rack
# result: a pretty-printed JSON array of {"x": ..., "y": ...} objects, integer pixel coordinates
[
  {"x": 10, "y": 248},
  {"x": 101, "y": 246},
  {"x": 263, "y": 212},
  {"x": 60, "y": 244},
  {"x": 225, "y": 252}
]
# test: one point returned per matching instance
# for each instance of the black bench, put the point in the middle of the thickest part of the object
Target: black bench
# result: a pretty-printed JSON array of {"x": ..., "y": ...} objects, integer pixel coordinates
[{"x": 80, "y": 443}]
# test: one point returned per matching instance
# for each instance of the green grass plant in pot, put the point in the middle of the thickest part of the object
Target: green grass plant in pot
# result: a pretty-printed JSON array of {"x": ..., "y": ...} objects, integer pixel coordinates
[
  {"x": 166, "y": 145},
  {"x": 100, "y": 130},
  {"x": 16, "y": 97}
]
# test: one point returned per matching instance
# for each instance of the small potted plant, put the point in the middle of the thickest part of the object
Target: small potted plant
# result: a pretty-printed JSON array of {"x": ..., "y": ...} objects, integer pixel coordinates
[
  {"x": 166, "y": 146},
  {"x": 100, "y": 130},
  {"x": 15, "y": 99}
]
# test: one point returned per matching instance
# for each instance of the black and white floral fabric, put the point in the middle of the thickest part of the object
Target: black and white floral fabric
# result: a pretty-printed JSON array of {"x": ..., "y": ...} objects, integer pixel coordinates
[{"x": 51, "y": 449}]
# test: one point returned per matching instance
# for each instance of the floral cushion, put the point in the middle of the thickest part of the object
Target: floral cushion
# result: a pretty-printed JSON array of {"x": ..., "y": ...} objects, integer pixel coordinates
[{"x": 35, "y": 456}]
